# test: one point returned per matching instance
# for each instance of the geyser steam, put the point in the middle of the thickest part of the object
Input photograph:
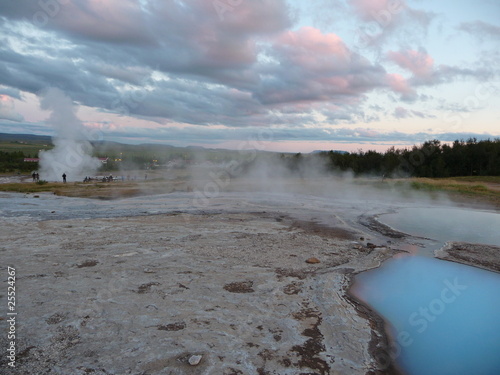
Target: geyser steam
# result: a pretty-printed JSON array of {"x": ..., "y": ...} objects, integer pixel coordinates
[{"x": 72, "y": 150}]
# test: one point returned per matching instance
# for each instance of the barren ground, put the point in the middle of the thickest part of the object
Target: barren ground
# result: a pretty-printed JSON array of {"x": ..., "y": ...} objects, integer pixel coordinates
[
  {"x": 143, "y": 294},
  {"x": 144, "y": 285}
]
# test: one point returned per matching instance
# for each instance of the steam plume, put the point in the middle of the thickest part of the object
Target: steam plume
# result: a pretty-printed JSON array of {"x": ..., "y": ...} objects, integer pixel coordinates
[{"x": 72, "y": 151}]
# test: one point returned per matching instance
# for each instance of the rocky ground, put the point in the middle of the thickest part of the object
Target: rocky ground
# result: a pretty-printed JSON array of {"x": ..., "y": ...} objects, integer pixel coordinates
[
  {"x": 176, "y": 293},
  {"x": 236, "y": 283},
  {"x": 478, "y": 255}
]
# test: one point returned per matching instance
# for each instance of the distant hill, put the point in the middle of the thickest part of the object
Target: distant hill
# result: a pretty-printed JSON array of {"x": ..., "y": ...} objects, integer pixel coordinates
[
  {"x": 138, "y": 154},
  {"x": 32, "y": 138}
]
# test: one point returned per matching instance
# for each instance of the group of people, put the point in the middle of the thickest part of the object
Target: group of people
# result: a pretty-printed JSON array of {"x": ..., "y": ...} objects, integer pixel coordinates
[
  {"x": 104, "y": 179},
  {"x": 36, "y": 176}
]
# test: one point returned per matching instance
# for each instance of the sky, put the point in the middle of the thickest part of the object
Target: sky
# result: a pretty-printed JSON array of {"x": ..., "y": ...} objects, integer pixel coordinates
[{"x": 276, "y": 75}]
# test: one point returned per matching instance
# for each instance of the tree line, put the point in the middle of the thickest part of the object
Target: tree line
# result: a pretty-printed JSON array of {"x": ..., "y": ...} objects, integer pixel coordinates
[
  {"x": 14, "y": 162},
  {"x": 431, "y": 159}
]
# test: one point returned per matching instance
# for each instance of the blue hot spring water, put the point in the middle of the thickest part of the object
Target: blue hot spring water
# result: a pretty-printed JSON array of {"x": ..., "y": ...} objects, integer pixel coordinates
[{"x": 443, "y": 317}]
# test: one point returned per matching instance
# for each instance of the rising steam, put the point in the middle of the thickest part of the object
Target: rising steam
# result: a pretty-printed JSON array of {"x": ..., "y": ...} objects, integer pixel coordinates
[{"x": 72, "y": 151}]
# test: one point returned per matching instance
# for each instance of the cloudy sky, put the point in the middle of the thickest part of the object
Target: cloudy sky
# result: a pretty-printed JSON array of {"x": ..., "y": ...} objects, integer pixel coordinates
[{"x": 296, "y": 75}]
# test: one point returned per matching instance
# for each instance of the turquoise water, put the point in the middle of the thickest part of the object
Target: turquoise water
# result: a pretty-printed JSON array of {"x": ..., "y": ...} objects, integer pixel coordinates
[{"x": 444, "y": 317}]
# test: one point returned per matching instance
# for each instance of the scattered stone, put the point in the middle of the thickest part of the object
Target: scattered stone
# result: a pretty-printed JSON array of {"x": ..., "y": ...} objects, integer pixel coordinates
[
  {"x": 36, "y": 196},
  {"x": 148, "y": 270},
  {"x": 52, "y": 212},
  {"x": 55, "y": 318},
  {"x": 145, "y": 288},
  {"x": 371, "y": 245},
  {"x": 88, "y": 263},
  {"x": 195, "y": 360},
  {"x": 292, "y": 288},
  {"x": 313, "y": 260},
  {"x": 172, "y": 327},
  {"x": 361, "y": 238},
  {"x": 240, "y": 287}
]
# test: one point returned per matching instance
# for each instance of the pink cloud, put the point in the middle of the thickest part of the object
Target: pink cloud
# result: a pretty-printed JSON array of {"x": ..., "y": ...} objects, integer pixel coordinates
[
  {"x": 309, "y": 66},
  {"x": 310, "y": 49},
  {"x": 112, "y": 20},
  {"x": 314, "y": 41},
  {"x": 400, "y": 85},
  {"x": 419, "y": 63},
  {"x": 7, "y": 109}
]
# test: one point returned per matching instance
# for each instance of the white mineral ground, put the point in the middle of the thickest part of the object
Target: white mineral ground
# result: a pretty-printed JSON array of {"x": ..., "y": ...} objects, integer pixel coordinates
[{"x": 141, "y": 285}]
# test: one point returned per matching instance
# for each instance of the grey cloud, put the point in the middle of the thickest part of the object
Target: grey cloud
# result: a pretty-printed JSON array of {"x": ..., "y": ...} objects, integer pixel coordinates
[
  {"x": 481, "y": 30},
  {"x": 401, "y": 112},
  {"x": 23, "y": 127},
  {"x": 105, "y": 58},
  {"x": 13, "y": 93},
  {"x": 207, "y": 137}
]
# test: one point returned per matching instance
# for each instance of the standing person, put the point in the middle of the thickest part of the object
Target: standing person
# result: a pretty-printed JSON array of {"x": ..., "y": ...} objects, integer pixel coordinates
[
  {"x": 64, "y": 177},
  {"x": 34, "y": 176}
]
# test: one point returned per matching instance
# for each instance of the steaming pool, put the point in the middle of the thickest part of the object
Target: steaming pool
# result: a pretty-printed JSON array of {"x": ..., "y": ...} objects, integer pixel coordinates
[
  {"x": 447, "y": 224},
  {"x": 443, "y": 317}
]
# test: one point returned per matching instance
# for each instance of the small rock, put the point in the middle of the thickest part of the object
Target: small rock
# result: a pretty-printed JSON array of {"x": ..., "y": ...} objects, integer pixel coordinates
[
  {"x": 148, "y": 270},
  {"x": 371, "y": 245},
  {"x": 313, "y": 260},
  {"x": 36, "y": 196},
  {"x": 195, "y": 360},
  {"x": 52, "y": 212},
  {"x": 361, "y": 238}
]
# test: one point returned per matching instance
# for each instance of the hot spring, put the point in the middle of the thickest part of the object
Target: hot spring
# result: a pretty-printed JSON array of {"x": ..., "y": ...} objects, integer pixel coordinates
[
  {"x": 442, "y": 317},
  {"x": 447, "y": 224}
]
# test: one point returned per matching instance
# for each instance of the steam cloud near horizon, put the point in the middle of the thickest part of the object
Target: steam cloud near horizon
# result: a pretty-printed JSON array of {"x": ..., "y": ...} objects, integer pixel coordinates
[{"x": 72, "y": 152}]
